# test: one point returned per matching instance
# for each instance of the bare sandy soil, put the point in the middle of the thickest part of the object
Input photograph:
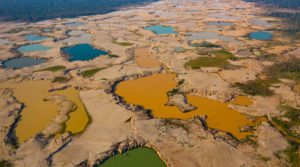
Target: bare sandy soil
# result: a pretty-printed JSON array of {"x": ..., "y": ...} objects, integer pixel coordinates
[{"x": 117, "y": 126}]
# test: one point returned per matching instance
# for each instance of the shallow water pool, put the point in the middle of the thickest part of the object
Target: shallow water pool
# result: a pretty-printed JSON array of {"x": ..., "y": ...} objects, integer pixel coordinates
[
  {"x": 160, "y": 30},
  {"x": 21, "y": 62},
  {"x": 261, "y": 35},
  {"x": 35, "y": 37},
  {"x": 33, "y": 48}
]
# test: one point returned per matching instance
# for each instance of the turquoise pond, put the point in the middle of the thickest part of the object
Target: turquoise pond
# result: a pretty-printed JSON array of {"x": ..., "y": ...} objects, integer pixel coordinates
[
  {"x": 159, "y": 29},
  {"x": 82, "y": 52},
  {"x": 21, "y": 62},
  {"x": 33, "y": 48},
  {"x": 35, "y": 37},
  {"x": 261, "y": 35}
]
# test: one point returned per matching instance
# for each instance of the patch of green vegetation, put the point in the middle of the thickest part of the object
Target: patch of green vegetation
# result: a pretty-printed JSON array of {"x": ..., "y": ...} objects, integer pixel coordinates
[
  {"x": 205, "y": 44},
  {"x": 60, "y": 79},
  {"x": 173, "y": 91},
  {"x": 286, "y": 126},
  {"x": 15, "y": 30},
  {"x": 292, "y": 153},
  {"x": 122, "y": 43},
  {"x": 112, "y": 56},
  {"x": 207, "y": 62},
  {"x": 224, "y": 54},
  {"x": 181, "y": 82},
  {"x": 256, "y": 87},
  {"x": 175, "y": 123},
  {"x": 289, "y": 69},
  {"x": 249, "y": 139},
  {"x": 4, "y": 163},
  {"x": 53, "y": 68},
  {"x": 91, "y": 72},
  {"x": 220, "y": 60},
  {"x": 285, "y": 123}
]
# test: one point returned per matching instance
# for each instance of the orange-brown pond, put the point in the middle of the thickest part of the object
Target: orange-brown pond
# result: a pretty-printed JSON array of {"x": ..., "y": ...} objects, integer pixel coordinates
[
  {"x": 151, "y": 93},
  {"x": 38, "y": 113},
  {"x": 78, "y": 119},
  {"x": 242, "y": 101},
  {"x": 143, "y": 58}
]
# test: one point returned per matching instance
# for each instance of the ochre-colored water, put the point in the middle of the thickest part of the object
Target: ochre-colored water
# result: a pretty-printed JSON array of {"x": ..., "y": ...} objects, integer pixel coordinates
[
  {"x": 37, "y": 113},
  {"x": 151, "y": 93},
  {"x": 143, "y": 58},
  {"x": 78, "y": 119},
  {"x": 242, "y": 101}
]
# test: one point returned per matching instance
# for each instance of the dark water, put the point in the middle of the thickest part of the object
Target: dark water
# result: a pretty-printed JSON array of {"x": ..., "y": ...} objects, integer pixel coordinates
[
  {"x": 21, "y": 62},
  {"x": 279, "y": 3},
  {"x": 35, "y": 10}
]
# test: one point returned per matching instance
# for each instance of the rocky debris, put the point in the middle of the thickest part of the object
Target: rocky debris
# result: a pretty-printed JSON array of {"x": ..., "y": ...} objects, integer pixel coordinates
[
  {"x": 211, "y": 94},
  {"x": 247, "y": 128},
  {"x": 58, "y": 86},
  {"x": 10, "y": 110},
  {"x": 57, "y": 145},
  {"x": 180, "y": 101},
  {"x": 9, "y": 115},
  {"x": 225, "y": 137},
  {"x": 245, "y": 53}
]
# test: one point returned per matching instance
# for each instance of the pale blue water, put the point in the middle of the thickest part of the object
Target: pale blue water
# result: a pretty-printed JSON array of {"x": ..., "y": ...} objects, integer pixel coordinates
[
  {"x": 21, "y": 62},
  {"x": 179, "y": 49},
  {"x": 33, "y": 47},
  {"x": 35, "y": 37},
  {"x": 82, "y": 52},
  {"x": 3, "y": 41},
  {"x": 261, "y": 35},
  {"x": 47, "y": 29},
  {"x": 159, "y": 29}
]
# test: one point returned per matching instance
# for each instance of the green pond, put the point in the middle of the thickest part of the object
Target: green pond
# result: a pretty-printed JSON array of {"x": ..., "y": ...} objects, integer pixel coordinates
[{"x": 139, "y": 157}]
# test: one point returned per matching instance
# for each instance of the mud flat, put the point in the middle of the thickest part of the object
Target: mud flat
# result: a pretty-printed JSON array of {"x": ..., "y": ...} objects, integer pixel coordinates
[{"x": 143, "y": 58}]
